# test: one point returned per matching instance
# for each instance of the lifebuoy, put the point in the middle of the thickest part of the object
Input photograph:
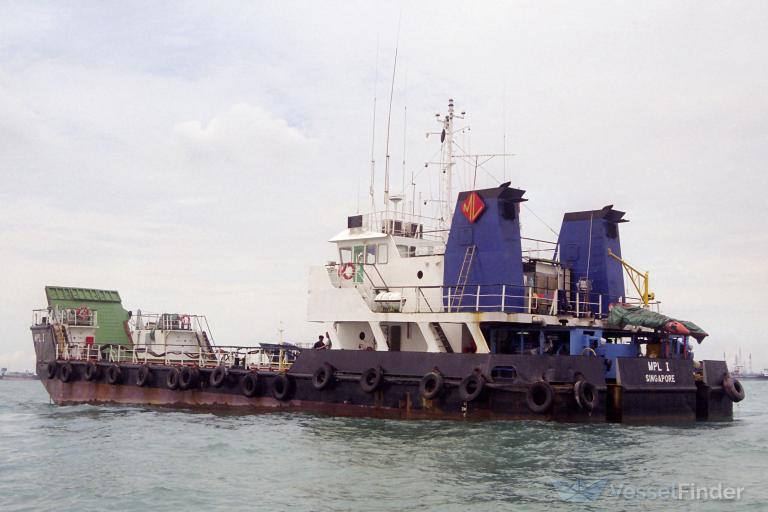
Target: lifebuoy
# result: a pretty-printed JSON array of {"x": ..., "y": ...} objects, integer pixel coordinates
[
  {"x": 540, "y": 397},
  {"x": 83, "y": 313},
  {"x": 586, "y": 394},
  {"x": 471, "y": 387},
  {"x": 91, "y": 372},
  {"x": 322, "y": 376},
  {"x": 187, "y": 377},
  {"x": 733, "y": 389},
  {"x": 218, "y": 375},
  {"x": 51, "y": 370},
  {"x": 114, "y": 374},
  {"x": 282, "y": 386},
  {"x": 249, "y": 384},
  {"x": 172, "y": 380},
  {"x": 347, "y": 271},
  {"x": 66, "y": 372},
  {"x": 371, "y": 379},
  {"x": 431, "y": 385}
]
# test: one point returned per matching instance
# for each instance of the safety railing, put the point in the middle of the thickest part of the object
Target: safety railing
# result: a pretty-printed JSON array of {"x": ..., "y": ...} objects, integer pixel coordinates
[
  {"x": 275, "y": 358},
  {"x": 404, "y": 224},
  {"x": 82, "y": 316}
]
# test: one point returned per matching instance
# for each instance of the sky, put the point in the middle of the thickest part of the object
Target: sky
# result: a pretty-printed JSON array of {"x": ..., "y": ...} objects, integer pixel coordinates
[{"x": 197, "y": 156}]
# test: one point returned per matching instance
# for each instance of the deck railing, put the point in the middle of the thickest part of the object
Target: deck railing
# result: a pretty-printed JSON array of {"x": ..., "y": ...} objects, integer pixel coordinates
[{"x": 277, "y": 358}]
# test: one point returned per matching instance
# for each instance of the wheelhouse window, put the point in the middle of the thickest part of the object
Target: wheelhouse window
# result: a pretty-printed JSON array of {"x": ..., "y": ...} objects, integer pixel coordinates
[
  {"x": 345, "y": 254},
  {"x": 383, "y": 254},
  {"x": 370, "y": 254}
]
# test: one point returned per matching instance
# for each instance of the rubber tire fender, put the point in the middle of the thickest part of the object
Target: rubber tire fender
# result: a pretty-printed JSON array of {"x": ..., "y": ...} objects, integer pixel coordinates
[
  {"x": 187, "y": 377},
  {"x": 282, "y": 386},
  {"x": 431, "y": 385},
  {"x": 218, "y": 376},
  {"x": 734, "y": 389},
  {"x": 91, "y": 372},
  {"x": 471, "y": 387},
  {"x": 143, "y": 375},
  {"x": 371, "y": 379},
  {"x": 322, "y": 376},
  {"x": 51, "y": 370},
  {"x": 249, "y": 384},
  {"x": 66, "y": 372},
  {"x": 586, "y": 394},
  {"x": 114, "y": 374},
  {"x": 534, "y": 392},
  {"x": 172, "y": 379}
]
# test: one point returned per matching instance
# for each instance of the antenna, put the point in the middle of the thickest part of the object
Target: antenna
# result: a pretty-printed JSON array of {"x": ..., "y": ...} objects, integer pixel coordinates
[
  {"x": 373, "y": 130},
  {"x": 389, "y": 122}
]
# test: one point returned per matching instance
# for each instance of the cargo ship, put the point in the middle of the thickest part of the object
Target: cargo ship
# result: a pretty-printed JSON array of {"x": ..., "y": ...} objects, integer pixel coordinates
[{"x": 445, "y": 317}]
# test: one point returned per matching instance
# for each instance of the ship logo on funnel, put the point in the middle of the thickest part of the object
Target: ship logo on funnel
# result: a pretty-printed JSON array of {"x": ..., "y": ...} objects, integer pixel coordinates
[{"x": 472, "y": 207}]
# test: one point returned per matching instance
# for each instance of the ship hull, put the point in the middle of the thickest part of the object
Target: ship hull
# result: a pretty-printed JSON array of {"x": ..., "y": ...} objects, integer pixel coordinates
[{"x": 506, "y": 393}]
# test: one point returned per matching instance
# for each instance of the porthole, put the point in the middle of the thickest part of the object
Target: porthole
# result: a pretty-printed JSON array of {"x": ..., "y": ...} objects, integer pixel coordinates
[
  {"x": 419, "y": 274},
  {"x": 362, "y": 335}
]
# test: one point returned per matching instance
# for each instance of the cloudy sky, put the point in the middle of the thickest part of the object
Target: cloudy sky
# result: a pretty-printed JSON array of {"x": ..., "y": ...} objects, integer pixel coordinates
[{"x": 197, "y": 156}]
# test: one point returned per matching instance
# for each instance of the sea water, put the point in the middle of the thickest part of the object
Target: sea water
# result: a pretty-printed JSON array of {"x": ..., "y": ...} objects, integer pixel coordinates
[{"x": 83, "y": 458}]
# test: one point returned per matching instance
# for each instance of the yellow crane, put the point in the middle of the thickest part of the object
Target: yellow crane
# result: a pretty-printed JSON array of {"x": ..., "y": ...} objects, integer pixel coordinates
[{"x": 639, "y": 279}]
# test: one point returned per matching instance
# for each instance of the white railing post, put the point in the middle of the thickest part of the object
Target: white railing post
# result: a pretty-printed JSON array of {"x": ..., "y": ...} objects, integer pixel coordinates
[
  {"x": 477, "y": 299},
  {"x": 554, "y": 303},
  {"x": 600, "y": 306},
  {"x": 503, "y": 296},
  {"x": 530, "y": 300},
  {"x": 578, "y": 301}
]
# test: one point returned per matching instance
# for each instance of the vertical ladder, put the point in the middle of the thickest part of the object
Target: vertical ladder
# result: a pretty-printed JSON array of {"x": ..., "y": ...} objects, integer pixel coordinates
[
  {"x": 61, "y": 338},
  {"x": 466, "y": 265},
  {"x": 442, "y": 337}
]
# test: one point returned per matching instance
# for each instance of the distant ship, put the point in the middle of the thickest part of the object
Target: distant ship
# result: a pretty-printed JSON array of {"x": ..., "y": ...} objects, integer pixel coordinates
[{"x": 446, "y": 317}]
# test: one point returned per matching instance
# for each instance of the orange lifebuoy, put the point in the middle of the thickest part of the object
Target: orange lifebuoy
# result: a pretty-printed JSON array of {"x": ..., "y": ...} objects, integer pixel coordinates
[
  {"x": 347, "y": 271},
  {"x": 83, "y": 313},
  {"x": 185, "y": 321}
]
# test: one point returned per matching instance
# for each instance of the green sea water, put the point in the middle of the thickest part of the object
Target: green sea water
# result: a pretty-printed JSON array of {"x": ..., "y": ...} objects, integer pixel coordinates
[{"x": 83, "y": 458}]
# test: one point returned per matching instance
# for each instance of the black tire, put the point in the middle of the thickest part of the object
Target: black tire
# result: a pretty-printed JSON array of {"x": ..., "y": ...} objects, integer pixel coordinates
[
  {"x": 282, "y": 387},
  {"x": 431, "y": 385},
  {"x": 187, "y": 377},
  {"x": 66, "y": 372},
  {"x": 540, "y": 397},
  {"x": 322, "y": 377},
  {"x": 51, "y": 370},
  {"x": 586, "y": 394},
  {"x": 471, "y": 387},
  {"x": 734, "y": 389},
  {"x": 218, "y": 376},
  {"x": 114, "y": 374},
  {"x": 91, "y": 372},
  {"x": 249, "y": 384},
  {"x": 172, "y": 379},
  {"x": 371, "y": 379},
  {"x": 143, "y": 375}
]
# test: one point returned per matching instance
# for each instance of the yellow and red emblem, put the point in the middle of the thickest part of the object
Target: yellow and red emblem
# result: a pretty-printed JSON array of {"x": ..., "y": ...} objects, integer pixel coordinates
[{"x": 472, "y": 207}]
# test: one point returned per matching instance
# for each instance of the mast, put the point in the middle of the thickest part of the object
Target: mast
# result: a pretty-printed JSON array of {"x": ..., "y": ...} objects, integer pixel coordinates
[{"x": 447, "y": 139}]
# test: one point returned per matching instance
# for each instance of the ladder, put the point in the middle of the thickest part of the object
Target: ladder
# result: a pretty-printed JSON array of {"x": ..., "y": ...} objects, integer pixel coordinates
[
  {"x": 61, "y": 338},
  {"x": 442, "y": 337},
  {"x": 466, "y": 265}
]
